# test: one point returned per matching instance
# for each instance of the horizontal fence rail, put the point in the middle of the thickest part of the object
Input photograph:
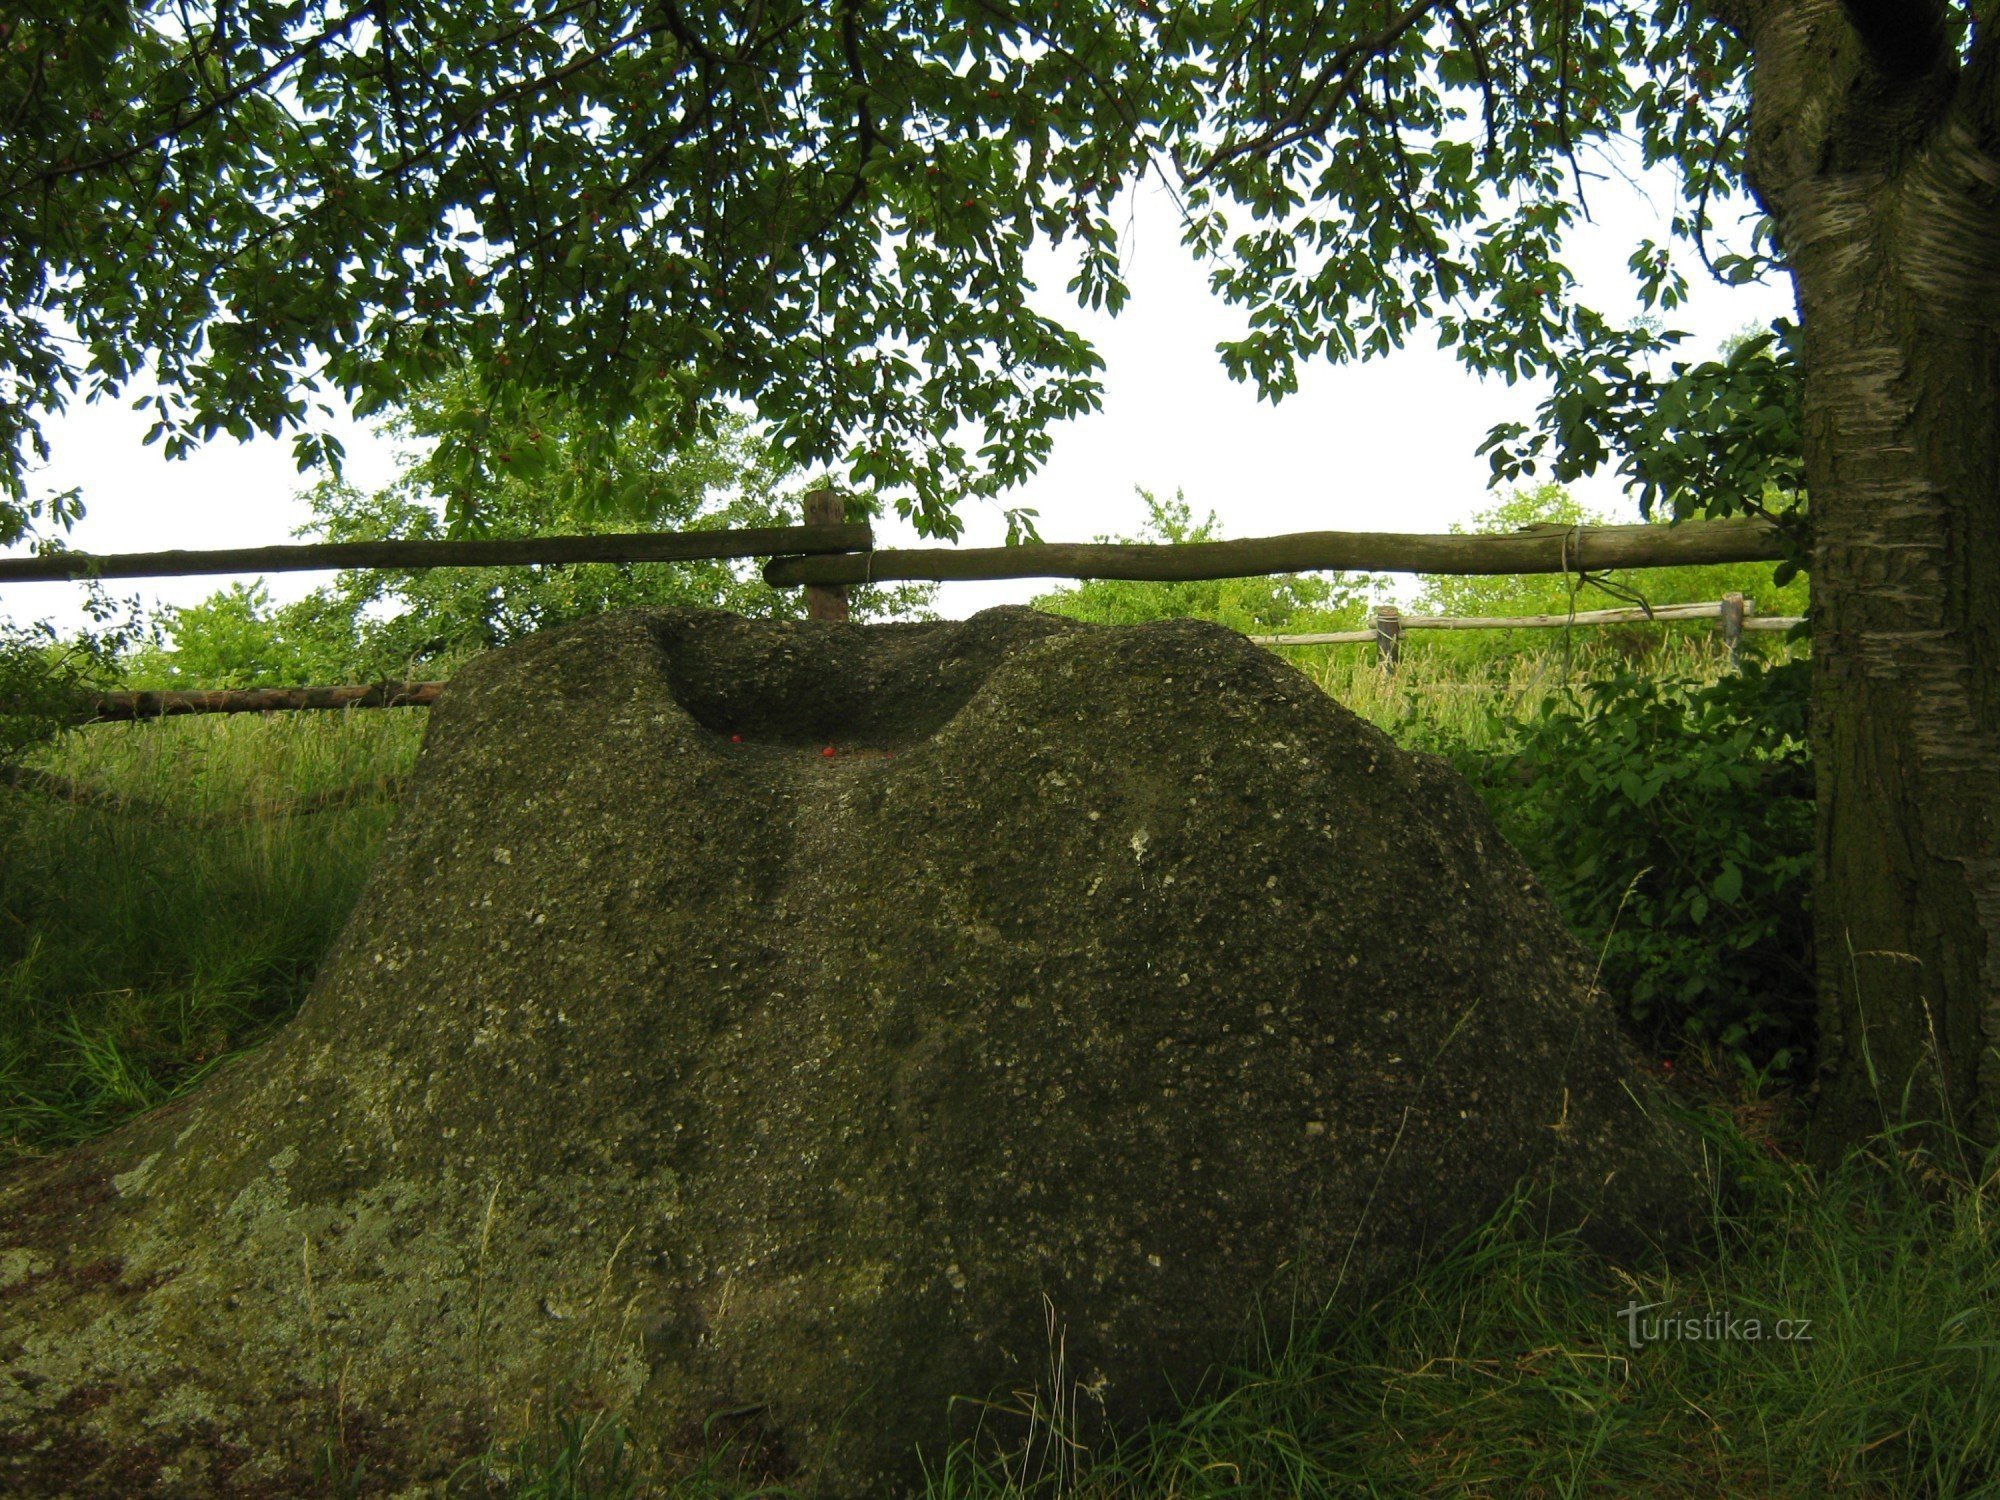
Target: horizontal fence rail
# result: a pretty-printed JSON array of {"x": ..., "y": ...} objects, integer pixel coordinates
[
  {"x": 1661, "y": 613},
  {"x": 1536, "y": 549},
  {"x": 828, "y": 555},
  {"x": 834, "y": 555},
  {"x": 165, "y": 704},
  {"x": 1735, "y": 613},
  {"x": 608, "y": 547}
]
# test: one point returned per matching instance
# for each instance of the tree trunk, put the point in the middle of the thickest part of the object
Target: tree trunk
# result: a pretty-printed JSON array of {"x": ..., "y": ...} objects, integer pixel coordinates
[{"x": 1881, "y": 179}]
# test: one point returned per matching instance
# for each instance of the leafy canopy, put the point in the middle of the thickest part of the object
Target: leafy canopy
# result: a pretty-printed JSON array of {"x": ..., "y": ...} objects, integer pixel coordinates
[{"x": 825, "y": 210}]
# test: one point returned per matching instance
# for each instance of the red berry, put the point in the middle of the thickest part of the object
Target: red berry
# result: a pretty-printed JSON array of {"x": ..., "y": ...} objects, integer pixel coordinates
[
  {"x": 828, "y": 752},
  {"x": 736, "y": 739}
]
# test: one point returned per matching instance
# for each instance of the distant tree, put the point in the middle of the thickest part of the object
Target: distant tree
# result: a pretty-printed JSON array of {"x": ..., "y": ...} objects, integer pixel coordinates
[{"x": 239, "y": 637}]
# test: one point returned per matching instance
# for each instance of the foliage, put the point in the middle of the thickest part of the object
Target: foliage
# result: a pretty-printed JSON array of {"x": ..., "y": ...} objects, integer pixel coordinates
[
  {"x": 1281, "y": 602},
  {"x": 238, "y": 637},
  {"x": 1673, "y": 824},
  {"x": 41, "y": 681},
  {"x": 46, "y": 679},
  {"x": 1718, "y": 437},
  {"x": 827, "y": 210},
  {"x": 374, "y": 624},
  {"x": 655, "y": 210}
]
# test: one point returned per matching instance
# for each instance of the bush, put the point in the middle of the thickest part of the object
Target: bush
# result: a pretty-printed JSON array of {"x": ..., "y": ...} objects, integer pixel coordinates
[{"x": 1673, "y": 824}]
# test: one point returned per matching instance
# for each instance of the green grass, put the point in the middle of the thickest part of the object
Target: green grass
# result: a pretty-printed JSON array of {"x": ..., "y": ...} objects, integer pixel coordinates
[
  {"x": 140, "y": 943},
  {"x": 1507, "y": 1367},
  {"x": 1448, "y": 689}
]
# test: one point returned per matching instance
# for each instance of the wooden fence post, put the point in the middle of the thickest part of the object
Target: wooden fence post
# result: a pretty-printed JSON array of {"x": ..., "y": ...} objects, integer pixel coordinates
[
  {"x": 1388, "y": 637},
  {"x": 826, "y": 601},
  {"x": 1732, "y": 627}
]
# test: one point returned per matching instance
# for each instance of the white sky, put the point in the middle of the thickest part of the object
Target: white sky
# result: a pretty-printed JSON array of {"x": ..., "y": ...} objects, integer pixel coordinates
[{"x": 1387, "y": 446}]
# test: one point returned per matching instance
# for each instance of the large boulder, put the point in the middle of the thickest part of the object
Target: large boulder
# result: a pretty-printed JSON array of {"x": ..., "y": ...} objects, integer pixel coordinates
[{"x": 771, "y": 1031}]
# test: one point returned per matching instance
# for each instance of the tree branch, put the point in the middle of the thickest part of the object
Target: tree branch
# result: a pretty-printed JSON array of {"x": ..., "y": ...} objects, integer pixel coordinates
[
  {"x": 1332, "y": 85},
  {"x": 865, "y": 136},
  {"x": 183, "y": 122},
  {"x": 1489, "y": 99}
]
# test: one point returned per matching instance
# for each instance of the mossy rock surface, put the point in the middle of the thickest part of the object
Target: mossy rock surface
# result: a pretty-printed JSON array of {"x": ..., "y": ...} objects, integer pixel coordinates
[{"x": 1102, "y": 979}]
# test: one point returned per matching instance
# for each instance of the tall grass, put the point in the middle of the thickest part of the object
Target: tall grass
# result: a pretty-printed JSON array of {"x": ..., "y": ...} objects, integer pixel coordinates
[
  {"x": 1446, "y": 690},
  {"x": 161, "y": 908},
  {"x": 1519, "y": 1364}
]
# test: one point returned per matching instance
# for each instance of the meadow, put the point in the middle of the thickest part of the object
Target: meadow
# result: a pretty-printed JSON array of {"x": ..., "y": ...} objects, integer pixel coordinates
[{"x": 166, "y": 890}]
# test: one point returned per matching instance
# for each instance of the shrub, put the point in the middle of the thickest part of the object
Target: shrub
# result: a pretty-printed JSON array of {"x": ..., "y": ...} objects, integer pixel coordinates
[{"x": 1673, "y": 824}]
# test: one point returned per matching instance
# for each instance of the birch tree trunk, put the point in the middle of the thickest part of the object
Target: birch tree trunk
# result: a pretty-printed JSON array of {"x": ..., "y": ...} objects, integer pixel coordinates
[{"x": 1872, "y": 149}]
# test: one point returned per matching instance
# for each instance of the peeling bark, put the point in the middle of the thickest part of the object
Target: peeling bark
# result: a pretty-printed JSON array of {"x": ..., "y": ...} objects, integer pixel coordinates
[{"x": 1887, "y": 201}]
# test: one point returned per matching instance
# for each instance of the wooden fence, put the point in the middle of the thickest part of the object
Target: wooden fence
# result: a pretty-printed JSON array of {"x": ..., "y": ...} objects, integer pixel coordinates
[
  {"x": 835, "y": 555},
  {"x": 167, "y": 704},
  {"x": 828, "y": 554},
  {"x": 1734, "y": 613},
  {"x": 467, "y": 552}
]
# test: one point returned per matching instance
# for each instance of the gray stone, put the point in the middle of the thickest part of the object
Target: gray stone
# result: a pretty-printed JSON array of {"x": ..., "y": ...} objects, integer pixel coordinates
[{"x": 1102, "y": 980}]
